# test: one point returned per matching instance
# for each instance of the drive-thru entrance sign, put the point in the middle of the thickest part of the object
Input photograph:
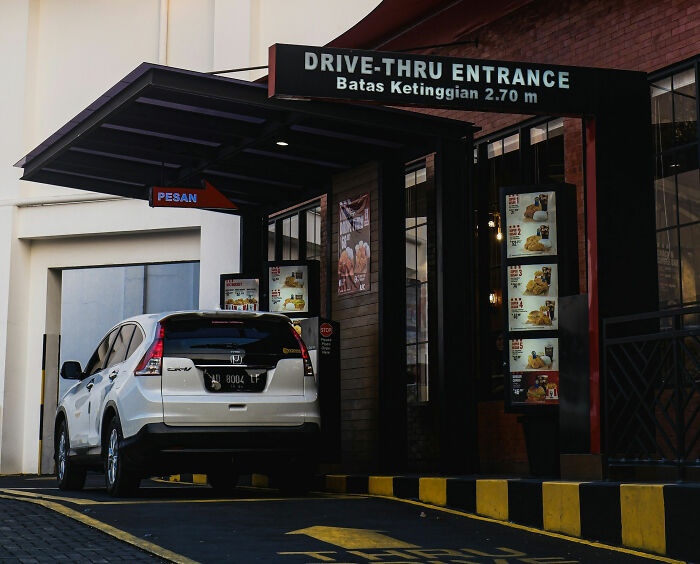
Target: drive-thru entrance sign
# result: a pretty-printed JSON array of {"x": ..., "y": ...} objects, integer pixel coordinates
[{"x": 614, "y": 106}]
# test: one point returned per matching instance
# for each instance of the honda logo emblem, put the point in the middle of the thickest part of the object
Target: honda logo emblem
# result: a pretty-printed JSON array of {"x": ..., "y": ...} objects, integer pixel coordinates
[{"x": 237, "y": 357}]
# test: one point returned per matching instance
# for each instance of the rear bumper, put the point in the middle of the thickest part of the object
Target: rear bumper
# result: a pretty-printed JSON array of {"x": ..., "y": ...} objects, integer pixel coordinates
[{"x": 158, "y": 444}]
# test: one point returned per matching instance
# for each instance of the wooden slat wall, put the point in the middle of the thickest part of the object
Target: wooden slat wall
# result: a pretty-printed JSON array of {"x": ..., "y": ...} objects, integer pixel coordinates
[{"x": 359, "y": 330}]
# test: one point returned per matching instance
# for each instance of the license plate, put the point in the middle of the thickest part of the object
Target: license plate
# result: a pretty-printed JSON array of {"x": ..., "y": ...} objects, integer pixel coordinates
[{"x": 234, "y": 380}]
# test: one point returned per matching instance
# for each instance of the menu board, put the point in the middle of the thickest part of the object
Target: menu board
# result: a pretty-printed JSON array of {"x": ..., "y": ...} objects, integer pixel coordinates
[
  {"x": 532, "y": 297},
  {"x": 241, "y": 294},
  {"x": 354, "y": 245},
  {"x": 531, "y": 227},
  {"x": 289, "y": 288}
]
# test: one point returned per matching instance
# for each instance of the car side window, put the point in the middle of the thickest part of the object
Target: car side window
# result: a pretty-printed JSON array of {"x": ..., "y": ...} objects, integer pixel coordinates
[
  {"x": 120, "y": 346},
  {"x": 136, "y": 341},
  {"x": 97, "y": 360}
]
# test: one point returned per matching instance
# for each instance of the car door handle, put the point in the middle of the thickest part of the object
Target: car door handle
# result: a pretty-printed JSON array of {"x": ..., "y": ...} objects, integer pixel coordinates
[
  {"x": 90, "y": 384},
  {"x": 113, "y": 374}
]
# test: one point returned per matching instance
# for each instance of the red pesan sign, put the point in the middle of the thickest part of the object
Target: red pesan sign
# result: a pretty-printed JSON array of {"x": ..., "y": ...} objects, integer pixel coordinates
[{"x": 206, "y": 198}]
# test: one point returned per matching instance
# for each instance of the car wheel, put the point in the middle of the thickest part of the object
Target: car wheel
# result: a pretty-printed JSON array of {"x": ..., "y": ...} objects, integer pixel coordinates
[
  {"x": 120, "y": 478},
  {"x": 223, "y": 479},
  {"x": 70, "y": 476}
]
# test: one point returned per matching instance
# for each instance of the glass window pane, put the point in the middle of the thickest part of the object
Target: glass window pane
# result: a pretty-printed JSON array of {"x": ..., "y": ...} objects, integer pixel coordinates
[
  {"x": 421, "y": 175},
  {"x": 538, "y": 134},
  {"x": 421, "y": 246},
  {"x": 118, "y": 353},
  {"x": 555, "y": 128},
  {"x": 495, "y": 149},
  {"x": 411, "y": 374},
  {"x": 684, "y": 108},
  {"x": 689, "y": 196},
  {"x": 690, "y": 263},
  {"x": 294, "y": 243},
  {"x": 410, "y": 179},
  {"x": 511, "y": 143},
  {"x": 271, "y": 241},
  {"x": 136, "y": 340},
  {"x": 665, "y": 201},
  {"x": 286, "y": 236},
  {"x": 412, "y": 290},
  {"x": 411, "y": 254},
  {"x": 423, "y": 313},
  {"x": 667, "y": 258},
  {"x": 422, "y": 372},
  {"x": 313, "y": 233},
  {"x": 662, "y": 114}
]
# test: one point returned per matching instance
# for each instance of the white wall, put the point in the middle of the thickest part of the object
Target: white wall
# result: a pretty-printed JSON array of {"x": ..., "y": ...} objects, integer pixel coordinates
[{"x": 56, "y": 57}]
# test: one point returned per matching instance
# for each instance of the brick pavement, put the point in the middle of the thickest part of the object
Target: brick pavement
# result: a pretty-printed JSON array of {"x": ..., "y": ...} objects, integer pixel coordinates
[{"x": 33, "y": 534}]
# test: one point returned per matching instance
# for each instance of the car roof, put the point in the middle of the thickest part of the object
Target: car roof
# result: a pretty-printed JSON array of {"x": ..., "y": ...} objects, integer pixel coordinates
[{"x": 153, "y": 318}]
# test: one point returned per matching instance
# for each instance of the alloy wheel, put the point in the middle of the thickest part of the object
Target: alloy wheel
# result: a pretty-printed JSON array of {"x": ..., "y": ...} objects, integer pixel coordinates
[
  {"x": 61, "y": 459},
  {"x": 113, "y": 456}
]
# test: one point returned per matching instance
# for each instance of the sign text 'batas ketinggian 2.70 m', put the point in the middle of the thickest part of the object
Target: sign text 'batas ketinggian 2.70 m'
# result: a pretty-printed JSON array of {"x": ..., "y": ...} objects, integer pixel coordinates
[{"x": 298, "y": 71}]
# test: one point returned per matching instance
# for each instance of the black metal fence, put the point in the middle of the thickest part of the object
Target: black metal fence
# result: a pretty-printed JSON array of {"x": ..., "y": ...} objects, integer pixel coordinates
[{"x": 651, "y": 389}]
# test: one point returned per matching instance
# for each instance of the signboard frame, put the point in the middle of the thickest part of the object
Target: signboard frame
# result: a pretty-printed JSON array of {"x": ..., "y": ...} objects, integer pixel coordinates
[
  {"x": 566, "y": 260},
  {"x": 238, "y": 276},
  {"x": 313, "y": 286}
]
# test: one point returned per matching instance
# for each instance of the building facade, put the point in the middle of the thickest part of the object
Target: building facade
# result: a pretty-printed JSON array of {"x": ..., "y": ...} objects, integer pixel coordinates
[{"x": 56, "y": 59}]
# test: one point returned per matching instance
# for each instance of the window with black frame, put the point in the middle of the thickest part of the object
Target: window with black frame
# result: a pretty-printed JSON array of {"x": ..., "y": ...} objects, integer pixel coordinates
[
  {"x": 417, "y": 305},
  {"x": 295, "y": 234},
  {"x": 674, "y": 109}
]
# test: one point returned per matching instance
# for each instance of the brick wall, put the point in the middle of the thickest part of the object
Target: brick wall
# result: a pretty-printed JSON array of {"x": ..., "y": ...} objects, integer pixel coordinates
[
  {"x": 358, "y": 315},
  {"x": 643, "y": 35},
  {"x": 501, "y": 441}
]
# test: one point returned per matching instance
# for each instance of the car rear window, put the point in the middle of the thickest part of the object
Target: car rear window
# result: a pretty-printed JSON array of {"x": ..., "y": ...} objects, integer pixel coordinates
[{"x": 197, "y": 337}]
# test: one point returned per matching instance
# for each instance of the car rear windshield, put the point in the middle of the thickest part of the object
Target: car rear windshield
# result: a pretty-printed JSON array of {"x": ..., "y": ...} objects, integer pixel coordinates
[{"x": 197, "y": 337}]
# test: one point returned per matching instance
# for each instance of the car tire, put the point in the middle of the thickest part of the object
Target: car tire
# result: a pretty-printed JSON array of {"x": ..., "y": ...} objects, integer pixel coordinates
[
  {"x": 70, "y": 476},
  {"x": 121, "y": 479},
  {"x": 223, "y": 480}
]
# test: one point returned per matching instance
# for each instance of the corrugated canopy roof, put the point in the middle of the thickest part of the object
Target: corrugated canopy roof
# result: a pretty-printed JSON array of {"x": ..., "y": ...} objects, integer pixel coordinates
[{"x": 161, "y": 126}]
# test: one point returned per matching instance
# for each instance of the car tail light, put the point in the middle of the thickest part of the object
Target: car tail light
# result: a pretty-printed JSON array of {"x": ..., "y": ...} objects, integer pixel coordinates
[
  {"x": 308, "y": 367},
  {"x": 152, "y": 361}
]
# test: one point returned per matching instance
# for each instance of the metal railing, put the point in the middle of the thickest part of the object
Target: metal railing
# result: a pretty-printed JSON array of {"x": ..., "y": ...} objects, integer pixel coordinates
[{"x": 651, "y": 389}]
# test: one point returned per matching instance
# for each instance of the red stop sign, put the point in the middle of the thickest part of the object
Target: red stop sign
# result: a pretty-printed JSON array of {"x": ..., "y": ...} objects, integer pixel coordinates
[{"x": 326, "y": 330}]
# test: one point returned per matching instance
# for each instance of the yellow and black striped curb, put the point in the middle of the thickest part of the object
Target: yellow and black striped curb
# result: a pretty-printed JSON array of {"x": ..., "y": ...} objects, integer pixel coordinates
[
  {"x": 657, "y": 518},
  {"x": 651, "y": 517}
]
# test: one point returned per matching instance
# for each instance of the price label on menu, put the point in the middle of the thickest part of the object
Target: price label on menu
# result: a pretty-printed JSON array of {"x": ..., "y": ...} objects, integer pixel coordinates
[{"x": 531, "y": 224}]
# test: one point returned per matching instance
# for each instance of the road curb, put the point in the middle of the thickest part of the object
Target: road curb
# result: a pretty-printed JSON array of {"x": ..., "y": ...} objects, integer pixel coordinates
[{"x": 654, "y": 518}]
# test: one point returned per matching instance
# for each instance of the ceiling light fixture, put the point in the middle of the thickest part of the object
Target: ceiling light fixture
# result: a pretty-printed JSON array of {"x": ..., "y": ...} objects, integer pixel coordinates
[{"x": 282, "y": 143}]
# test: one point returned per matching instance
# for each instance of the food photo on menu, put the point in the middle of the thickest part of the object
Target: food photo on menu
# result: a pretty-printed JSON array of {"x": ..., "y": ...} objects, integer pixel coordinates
[
  {"x": 241, "y": 294},
  {"x": 531, "y": 224},
  {"x": 534, "y": 354},
  {"x": 532, "y": 291},
  {"x": 288, "y": 292},
  {"x": 535, "y": 387},
  {"x": 533, "y": 280}
]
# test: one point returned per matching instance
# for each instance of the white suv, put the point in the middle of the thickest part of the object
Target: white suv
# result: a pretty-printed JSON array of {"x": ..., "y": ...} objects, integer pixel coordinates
[{"x": 193, "y": 391}]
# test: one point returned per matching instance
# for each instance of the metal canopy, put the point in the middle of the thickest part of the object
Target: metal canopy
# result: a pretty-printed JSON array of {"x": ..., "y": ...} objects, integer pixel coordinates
[{"x": 161, "y": 126}]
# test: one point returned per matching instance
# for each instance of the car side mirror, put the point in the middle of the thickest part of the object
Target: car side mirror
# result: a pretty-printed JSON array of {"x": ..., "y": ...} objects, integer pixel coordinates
[{"x": 71, "y": 370}]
